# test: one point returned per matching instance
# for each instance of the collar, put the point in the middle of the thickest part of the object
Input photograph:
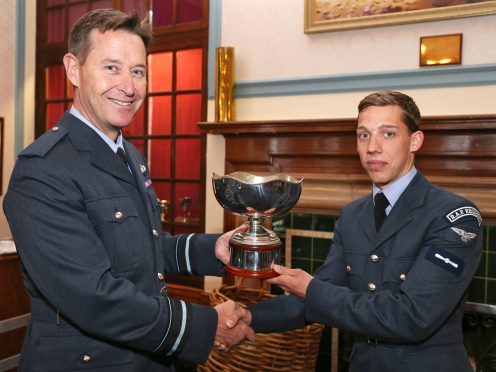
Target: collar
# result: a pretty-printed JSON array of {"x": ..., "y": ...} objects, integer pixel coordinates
[
  {"x": 394, "y": 191},
  {"x": 113, "y": 145}
]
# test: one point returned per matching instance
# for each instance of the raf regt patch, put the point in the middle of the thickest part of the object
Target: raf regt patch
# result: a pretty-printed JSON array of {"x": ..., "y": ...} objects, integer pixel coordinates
[{"x": 464, "y": 212}]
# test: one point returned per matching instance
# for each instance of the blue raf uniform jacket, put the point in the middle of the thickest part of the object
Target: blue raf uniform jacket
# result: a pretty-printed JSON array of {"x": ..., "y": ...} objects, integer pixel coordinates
[
  {"x": 88, "y": 233},
  {"x": 401, "y": 290}
]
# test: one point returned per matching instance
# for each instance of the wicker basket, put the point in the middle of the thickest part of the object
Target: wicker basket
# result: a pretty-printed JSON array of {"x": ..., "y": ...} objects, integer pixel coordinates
[{"x": 285, "y": 351}]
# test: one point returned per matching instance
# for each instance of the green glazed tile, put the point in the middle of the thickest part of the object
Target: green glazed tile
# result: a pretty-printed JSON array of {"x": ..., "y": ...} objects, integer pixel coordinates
[
  {"x": 491, "y": 238},
  {"x": 481, "y": 270},
  {"x": 491, "y": 265},
  {"x": 491, "y": 292},
  {"x": 476, "y": 291},
  {"x": 324, "y": 222},
  {"x": 301, "y": 247},
  {"x": 302, "y": 221},
  {"x": 321, "y": 248},
  {"x": 301, "y": 263}
]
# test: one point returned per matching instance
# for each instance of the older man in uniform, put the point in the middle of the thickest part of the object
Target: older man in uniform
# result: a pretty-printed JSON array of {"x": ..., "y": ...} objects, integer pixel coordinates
[
  {"x": 88, "y": 230},
  {"x": 401, "y": 259}
]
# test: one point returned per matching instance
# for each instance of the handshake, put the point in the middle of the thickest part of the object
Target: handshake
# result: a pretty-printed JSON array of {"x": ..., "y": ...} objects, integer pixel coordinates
[{"x": 233, "y": 325}]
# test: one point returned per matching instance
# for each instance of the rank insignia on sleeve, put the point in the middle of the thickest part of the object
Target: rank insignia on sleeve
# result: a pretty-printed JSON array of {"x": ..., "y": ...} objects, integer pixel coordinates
[
  {"x": 464, "y": 212},
  {"x": 445, "y": 260}
]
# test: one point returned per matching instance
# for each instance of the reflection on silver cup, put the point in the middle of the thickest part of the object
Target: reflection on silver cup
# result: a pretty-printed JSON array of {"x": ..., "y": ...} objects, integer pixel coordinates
[{"x": 256, "y": 197}]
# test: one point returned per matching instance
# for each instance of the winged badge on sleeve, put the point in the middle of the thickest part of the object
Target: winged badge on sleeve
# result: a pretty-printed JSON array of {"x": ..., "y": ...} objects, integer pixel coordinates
[{"x": 464, "y": 235}]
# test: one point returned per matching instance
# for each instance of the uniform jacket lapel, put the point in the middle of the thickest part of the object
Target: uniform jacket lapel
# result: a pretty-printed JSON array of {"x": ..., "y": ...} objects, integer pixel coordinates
[
  {"x": 94, "y": 149},
  {"x": 366, "y": 218},
  {"x": 400, "y": 215},
  {"x": 141, "y": 176}
]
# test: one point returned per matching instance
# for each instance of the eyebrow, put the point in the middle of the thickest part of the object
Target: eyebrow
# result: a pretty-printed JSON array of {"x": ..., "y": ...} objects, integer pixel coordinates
[
  {"x": 116, "y": 61},
  {"x": 109, "y": 60},
  {"x": 387, "y": 126},
  {"x": 143, "y": 66}
]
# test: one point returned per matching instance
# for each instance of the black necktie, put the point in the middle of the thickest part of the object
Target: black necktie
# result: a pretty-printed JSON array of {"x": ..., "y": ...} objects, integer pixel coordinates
[
  {"x": 122, "y": 155},
  {"x": 380, "y": 205}
]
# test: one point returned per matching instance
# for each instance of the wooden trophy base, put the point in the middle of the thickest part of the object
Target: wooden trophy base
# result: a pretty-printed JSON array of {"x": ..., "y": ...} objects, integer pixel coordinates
[{"x": 259, "y": 274}]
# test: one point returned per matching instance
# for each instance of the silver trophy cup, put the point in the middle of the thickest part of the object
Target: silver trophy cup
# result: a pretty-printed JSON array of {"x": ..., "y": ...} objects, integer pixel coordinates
[{"x": 256, "y": 197}]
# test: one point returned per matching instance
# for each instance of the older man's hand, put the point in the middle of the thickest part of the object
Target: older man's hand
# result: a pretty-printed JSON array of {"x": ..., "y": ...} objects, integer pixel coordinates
[
  {"x": 231, "y": 333},
  {"x": 222, "y": 251}
]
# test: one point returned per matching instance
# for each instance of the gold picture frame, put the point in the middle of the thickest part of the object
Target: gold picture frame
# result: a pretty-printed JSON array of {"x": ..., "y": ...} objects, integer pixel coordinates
[
  {"x": 440, "y": 50},
  {"x": 351, "y": 15}
]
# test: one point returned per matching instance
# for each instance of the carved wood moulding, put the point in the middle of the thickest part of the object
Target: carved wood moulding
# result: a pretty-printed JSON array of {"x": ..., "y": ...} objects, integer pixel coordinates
[{"x": 459, "y": 153}]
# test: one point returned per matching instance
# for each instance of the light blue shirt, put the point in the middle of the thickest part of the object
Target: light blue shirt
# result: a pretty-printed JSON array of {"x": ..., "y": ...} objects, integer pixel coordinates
[
  {"x": 394, "y": 191},
  {"x": 113, "y": 145}
]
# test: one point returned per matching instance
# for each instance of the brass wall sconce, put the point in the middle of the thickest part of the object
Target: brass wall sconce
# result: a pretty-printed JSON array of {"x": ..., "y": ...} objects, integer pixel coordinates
[
  {"x": 440, "y": 50},
  {"x": 225, "y": 108}
]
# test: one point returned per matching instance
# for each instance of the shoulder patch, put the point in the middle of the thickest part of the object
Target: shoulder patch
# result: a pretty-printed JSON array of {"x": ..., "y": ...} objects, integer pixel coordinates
[
  {"x": 464, "y": 212},
  {"x": 43, "y": 144},
  {"x": 445, "y": 260},
  {"x": 461, "y": 234}
]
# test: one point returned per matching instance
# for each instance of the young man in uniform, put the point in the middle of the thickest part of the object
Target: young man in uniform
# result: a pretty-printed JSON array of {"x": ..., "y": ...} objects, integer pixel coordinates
[{"x": 401, "y": 259}]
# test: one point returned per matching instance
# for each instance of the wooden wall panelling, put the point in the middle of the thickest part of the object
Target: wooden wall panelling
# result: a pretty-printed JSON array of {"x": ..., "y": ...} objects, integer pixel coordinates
[
  {"x": 15, "y": 302},
  {"x": 458, "y": 153}
]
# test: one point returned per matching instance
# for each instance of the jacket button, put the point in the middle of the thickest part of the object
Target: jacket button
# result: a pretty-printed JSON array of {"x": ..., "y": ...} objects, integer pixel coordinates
[
  {"x": 160, "y": 277},
  {"x": 374, "y": 258},
  {"x": 348, "y": 269},
  {"x": 402, "y": 277},
  {"x": 118, "y": 215},
  {"x": 86, "y": 358},
  {"x": 155, "y": 233},
  {"x": 371, "y": 287},
  {"x": 54, "y": 129}
]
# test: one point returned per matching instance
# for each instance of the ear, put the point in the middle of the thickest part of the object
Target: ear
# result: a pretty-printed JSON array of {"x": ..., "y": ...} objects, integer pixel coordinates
[
  {"x": 416, "y": 141},
  {"x": 72, "y": 65}
]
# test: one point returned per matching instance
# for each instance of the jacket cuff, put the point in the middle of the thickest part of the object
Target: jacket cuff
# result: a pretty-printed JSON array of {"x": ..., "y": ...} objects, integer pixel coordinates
[
  {"x": 191, "y": 332},
  {"x": 196, "y": 255}
]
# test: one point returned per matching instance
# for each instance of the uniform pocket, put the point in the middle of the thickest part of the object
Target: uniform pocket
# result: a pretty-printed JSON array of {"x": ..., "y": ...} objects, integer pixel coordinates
[
  {"x": 396, "y": 272},
  {"x": 354, "y": 270},
  {"x": 77, "y": 352},
  {"x": 117, "y": 224}
]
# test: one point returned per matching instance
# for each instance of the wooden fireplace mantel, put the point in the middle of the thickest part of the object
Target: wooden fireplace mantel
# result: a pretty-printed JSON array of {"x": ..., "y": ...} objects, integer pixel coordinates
[{"x": 459, "y": 153}]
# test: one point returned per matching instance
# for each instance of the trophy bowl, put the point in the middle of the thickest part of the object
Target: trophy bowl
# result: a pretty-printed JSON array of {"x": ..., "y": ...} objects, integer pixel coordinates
[{"x": 256, "y": 197}]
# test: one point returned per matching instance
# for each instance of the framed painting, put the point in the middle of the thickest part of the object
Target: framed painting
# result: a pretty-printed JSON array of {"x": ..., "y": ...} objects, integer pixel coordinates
[{"x": 333, "y": 15}]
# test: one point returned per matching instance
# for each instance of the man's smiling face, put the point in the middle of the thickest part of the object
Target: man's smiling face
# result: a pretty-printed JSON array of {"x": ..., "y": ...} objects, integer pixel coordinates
[{"x": 111, "y": 83}]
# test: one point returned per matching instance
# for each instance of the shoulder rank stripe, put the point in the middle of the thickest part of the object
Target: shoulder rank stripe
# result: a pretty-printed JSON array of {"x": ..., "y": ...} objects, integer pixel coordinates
[{"x": 464, "y": 212}]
